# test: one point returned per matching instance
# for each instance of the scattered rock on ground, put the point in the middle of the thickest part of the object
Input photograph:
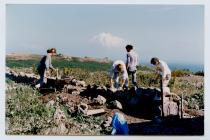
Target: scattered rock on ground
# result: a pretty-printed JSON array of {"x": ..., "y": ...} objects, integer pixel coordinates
[
  {"x": 99, "y": 100},
  {"x": 116, "y": 104}
]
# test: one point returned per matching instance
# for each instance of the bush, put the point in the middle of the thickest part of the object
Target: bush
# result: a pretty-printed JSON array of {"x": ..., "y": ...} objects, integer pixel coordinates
[
  {"x": 199, "y": 73},
  {"x": 181, "y": 73}
]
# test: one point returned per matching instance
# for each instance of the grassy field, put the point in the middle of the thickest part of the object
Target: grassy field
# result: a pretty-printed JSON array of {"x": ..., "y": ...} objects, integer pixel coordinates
[{"x": 59, "y": 63}]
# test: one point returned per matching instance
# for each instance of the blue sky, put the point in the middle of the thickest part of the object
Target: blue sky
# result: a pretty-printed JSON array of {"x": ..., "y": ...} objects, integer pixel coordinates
[{"x": 174, "y": 33}]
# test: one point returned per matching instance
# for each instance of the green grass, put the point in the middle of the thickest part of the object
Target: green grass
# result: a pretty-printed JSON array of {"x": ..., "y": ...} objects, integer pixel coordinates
[
  {"x": 25, "y": 113},
  {"x": 59, "y": 63},
  {"x": 21, "y": 63}
]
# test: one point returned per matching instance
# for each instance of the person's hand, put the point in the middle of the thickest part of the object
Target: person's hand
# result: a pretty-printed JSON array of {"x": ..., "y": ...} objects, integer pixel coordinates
[
  {"x": 111, "y": 86},
  {"x": 167, "y": 77},
  {"x": 47, "y": 73},
  {"x": 120, "y": 88}
]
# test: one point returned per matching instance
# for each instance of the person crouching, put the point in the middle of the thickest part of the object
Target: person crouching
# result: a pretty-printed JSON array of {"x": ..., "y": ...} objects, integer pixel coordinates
[{"x": 119, "y": 68}]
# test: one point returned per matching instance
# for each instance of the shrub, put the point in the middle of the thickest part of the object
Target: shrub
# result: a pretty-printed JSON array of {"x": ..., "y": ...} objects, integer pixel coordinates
[
  {"x": 181, "y": 73},
  {"x": 199, "y": 73}
]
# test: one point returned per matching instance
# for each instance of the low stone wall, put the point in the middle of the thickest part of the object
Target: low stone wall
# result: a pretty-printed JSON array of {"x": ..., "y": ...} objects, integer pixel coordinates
[{"x": 145, "y": 101}]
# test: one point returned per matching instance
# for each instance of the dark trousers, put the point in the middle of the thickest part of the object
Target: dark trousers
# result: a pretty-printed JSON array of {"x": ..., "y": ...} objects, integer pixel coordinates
[{"x": 133, "y": 76}]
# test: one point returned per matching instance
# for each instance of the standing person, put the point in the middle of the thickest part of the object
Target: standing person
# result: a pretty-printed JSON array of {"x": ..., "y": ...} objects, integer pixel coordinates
[
  {"x": 118, "y": 68},
  {"x": 44, "y": 65},
  {"x": 131, "y": 63},
  {"x": 163, "y": 69}
]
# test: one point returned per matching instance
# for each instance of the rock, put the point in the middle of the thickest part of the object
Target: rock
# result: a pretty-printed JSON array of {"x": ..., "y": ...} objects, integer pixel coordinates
[
  {"x": 22, "y": 74},
  {"x": 100, "y": 100},
  {"x": 102, "y": 88},
  {"x": 62, "y": 98},
  {"x": 81, "y": 83},
  {"x": 85, "y": 100},
  {"x": 116, "y": 104},
  {"x": 200, "y": 113},
  {"x": 170, "y": 107},
  {"x": 195, "y": 106},
  {"x": 95, "y": 111},
  {"x": 59, "y": 116},
  {"x": 73, "y": 82},
  {"x": 185, "y": 115},
  {"x": 83, "y": 108},
  {"x": 29, "y": 75},
  {"x": 75, "y": 92},
  {"x": 71, "y": 107},
  {"x": 174, "y": 97},
  {"x": 109, "y": 120},
  {"x": 78, "y": 83},
  {"x": 8, "y": 70},
  {"x": 96, "y": 126},
  {"x": 50, "y": 103}
]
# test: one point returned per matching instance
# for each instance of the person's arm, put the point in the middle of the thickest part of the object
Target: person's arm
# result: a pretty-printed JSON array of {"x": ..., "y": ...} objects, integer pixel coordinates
[
  {"x": 127, "y": 60},
  {"x": 123, "y": 82},
  {"x": 124, "y": 77},
  {"x": 48, "y": 63},
  {"x": 111, "y": 76}
]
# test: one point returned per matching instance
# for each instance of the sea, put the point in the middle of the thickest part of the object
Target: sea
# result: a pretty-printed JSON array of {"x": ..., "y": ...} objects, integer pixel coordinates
[{"x": 175, "y": 66}]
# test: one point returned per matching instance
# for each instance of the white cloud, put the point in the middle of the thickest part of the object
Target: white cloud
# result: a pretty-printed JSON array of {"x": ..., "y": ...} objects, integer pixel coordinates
[{"x": 109, "y": 40}]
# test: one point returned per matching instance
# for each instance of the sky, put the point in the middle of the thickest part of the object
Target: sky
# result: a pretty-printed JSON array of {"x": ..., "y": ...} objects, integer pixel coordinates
[{"x": 174, "y": 33}]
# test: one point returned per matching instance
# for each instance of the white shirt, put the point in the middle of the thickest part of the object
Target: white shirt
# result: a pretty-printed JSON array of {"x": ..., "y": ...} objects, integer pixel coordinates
[
  {"x": 114, "y": 69},
  {"x": 164, "y": 68},
  {"x": 132, "y": 60}
]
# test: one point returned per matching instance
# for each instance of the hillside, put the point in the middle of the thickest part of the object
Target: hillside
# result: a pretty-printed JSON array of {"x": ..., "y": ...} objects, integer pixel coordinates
[{"x": 59, "y": 109}]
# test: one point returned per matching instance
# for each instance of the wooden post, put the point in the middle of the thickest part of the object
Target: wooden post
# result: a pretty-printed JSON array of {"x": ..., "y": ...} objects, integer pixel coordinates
[
  {"x": 182, "y": 106},
  {"x": 56, "y": 73},
  {"x": 162, "y": 97}
]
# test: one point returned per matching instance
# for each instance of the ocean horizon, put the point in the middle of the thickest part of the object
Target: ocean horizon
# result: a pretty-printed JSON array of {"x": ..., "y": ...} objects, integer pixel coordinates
[{"x": 174, "y": 66}]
